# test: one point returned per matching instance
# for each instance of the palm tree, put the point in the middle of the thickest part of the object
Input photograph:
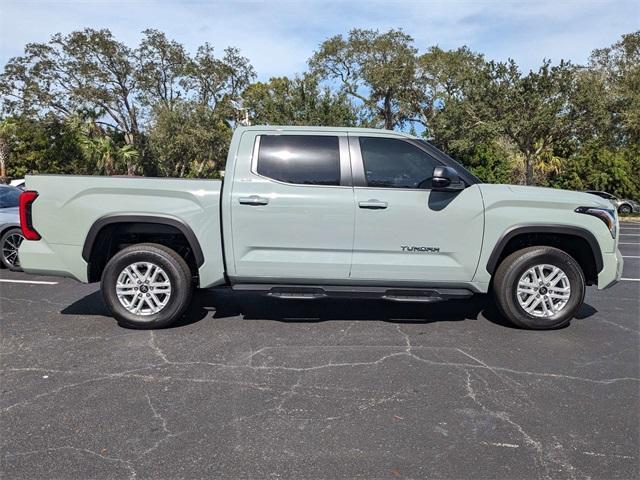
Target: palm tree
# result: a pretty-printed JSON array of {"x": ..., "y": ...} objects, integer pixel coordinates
[{"x": 101, "y": 147}]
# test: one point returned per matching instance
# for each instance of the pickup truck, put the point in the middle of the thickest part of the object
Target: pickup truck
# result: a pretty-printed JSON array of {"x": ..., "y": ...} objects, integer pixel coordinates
[{"x": 309, "y": 212}]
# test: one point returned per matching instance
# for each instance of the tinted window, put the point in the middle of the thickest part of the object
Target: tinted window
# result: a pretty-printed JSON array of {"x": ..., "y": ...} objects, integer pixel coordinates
[
  {"x": 304, "y": 159},
  {"x": 395, "y": 163},
  {"x": 9, "y": 197}
]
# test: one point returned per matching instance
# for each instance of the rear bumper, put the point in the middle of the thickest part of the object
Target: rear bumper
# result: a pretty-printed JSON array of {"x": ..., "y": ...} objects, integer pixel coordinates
[
  {"x": 42, "y": 258},
  {"x": 611, "y": 270}
]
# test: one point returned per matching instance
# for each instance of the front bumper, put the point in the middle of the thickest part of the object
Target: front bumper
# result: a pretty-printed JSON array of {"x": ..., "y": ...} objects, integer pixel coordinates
[{"x": 611, "y": 270}]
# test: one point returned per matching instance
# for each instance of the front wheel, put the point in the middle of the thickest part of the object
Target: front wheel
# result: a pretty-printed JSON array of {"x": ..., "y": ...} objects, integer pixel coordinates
[
  {"x": 146, "y": 286},
  {"x": 625, "y": 209},
  {"x": 539, "y": 288}
]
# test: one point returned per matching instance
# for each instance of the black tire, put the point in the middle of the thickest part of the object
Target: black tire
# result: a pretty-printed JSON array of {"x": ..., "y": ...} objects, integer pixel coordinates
[
  {"x": 512, "y": 268},
  {"x": 177, "y": 272},
  {"x": 9, "y": 259},
  {"x": 625, "y": 209}
]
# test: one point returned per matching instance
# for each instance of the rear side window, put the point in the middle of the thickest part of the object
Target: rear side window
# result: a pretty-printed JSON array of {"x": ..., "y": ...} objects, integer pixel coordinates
[
  {"x": 302, "y": 159},
  {"x": 391, "y": 163}
]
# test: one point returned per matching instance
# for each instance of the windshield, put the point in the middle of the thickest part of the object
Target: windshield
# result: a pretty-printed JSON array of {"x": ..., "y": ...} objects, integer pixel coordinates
[{"x": 9, "y": 197}]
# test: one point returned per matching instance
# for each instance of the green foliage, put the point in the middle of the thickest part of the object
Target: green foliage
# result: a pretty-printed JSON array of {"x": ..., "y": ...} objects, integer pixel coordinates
[
  {"x": 376, "y": 69},
  {"x": 86, "y": 103},
  {"x": 45, "y": 146},
  {"x": 189, "y": 141},
  {"x": 616, "y": 171},
  {"x": 297, "y": 101}
]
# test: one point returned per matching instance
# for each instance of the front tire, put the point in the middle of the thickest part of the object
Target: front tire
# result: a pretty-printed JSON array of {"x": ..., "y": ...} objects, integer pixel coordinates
[
  {"x": 539, "y": 288},
  {"x": 146, "y": 286},
  {"x": 625, "y": 209},
  {"x": 9, "y": 245}
]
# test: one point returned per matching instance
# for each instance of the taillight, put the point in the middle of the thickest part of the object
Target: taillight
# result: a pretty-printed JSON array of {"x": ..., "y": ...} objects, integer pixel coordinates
[{"x": 26, "y": 201}]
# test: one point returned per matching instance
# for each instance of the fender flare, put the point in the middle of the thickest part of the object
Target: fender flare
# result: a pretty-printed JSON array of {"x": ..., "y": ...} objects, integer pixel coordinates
[
  {"x": 585, "y": 234},
  {"x": 102, "y": 222}
]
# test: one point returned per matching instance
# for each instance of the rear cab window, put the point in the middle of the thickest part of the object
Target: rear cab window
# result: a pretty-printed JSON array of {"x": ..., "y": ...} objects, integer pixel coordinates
[{"x": 299, "y": 159}]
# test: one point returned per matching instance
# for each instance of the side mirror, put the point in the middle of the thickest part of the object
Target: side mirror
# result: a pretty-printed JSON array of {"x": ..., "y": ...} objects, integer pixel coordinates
[{"x": 446, "y": 179}]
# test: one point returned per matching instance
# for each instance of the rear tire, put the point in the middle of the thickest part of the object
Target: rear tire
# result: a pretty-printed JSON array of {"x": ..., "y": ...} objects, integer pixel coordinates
[
  {"x": 9, "y": 244},
  {"x": 539, "y": 288},
  {"x": 146, "y": 286}
]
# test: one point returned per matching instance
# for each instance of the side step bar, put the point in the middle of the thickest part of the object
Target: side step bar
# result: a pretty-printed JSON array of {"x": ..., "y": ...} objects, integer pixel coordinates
[{"x": 393, "y": 294}]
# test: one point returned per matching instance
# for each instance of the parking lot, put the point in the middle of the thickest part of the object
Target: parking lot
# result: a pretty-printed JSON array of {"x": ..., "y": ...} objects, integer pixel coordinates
[{"x": 253, "y": 387}]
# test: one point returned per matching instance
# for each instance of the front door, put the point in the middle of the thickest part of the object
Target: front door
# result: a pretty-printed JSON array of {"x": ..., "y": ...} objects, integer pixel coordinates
[
  {"x": 292, "y": 208},
  {"x": 405, "y": 231}
]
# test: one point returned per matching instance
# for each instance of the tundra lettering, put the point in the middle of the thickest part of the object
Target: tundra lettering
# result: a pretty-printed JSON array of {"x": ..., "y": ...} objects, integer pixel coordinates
[
  {"x": 420, "y": 249},
  {"x": 310, "y": 212}
]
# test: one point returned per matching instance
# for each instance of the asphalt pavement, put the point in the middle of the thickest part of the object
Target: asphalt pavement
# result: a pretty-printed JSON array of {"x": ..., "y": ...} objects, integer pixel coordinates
[{"x": 254, "y": 388}]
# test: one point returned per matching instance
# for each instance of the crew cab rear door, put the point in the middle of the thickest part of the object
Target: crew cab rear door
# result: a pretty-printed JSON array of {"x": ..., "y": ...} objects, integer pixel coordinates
[
  {"x": 292, "y": 207},
  {"x": 404, "y": 233}
]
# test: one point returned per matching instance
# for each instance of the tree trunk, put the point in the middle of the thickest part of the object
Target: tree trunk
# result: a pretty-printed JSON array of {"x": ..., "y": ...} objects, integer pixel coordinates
[
  {"x": 4, "y": 155},
  {"x": 388, "y": 114},
  {"x": 528, "y": 162}
]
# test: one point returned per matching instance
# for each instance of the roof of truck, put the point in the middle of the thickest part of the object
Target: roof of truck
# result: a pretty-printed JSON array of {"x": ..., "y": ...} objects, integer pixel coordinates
[{"x": 276, "y": 128}]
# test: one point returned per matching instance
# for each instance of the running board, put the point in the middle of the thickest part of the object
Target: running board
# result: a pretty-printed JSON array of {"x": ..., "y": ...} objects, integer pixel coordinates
[{"x": 393, "y": 294}]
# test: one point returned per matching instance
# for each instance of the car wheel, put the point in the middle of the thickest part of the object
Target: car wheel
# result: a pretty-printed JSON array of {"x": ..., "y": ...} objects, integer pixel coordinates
[
  {"x": 10, "y": 242},
  {"x": 146, "y": 286},
  {"x": 625, "y": 209},
  {"x": 539, "y": 288}
]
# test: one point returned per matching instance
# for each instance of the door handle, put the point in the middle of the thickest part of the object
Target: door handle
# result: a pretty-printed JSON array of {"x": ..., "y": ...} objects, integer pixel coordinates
[
  {"x": 253, "y": 200},
  {"x": 373, "y": 205}
]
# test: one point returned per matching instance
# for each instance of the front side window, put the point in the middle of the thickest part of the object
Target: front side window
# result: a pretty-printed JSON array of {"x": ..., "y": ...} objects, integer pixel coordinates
[
  {"x": 392, "y": 163},
  {"x": 301, "y": 159}
]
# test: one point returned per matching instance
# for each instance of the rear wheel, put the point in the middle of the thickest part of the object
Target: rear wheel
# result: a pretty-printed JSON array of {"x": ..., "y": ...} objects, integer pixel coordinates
[
  {"x": 10, "y": 243},
  {"x": 539, "y": 287},
  {"x": 146, "y": 286}
]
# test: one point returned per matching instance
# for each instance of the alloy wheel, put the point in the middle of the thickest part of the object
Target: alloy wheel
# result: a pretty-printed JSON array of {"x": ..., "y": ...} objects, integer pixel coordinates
[
  {"x": 543, "y": 290},
  {"x": 10, "y": 249},
  {"x": 143, "y": 288}
]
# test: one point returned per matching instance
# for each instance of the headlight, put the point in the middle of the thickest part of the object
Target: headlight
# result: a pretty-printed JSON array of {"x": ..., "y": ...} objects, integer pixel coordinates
[{"x": 608, "y": 216}]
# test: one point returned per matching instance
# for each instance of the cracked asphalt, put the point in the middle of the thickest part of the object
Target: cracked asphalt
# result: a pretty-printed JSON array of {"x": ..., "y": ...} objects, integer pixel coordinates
[{"x": 252, "y": 387}]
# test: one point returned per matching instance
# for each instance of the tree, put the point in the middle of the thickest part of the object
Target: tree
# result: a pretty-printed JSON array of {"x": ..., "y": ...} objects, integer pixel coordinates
[
  {"x": 529, "y": 111},
  {"x": 189, "y": 140},
  {"x": 162, "y": 70},
  {"x": 375, "y": 69},
  {"x": 442, "y": 79},
  {"x": 297, "y": 101},
  {"x": 45, "y": 145}
]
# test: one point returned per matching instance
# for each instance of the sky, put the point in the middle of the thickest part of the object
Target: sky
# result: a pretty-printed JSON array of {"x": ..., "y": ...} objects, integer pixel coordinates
[{"x": 279, "y": 36}]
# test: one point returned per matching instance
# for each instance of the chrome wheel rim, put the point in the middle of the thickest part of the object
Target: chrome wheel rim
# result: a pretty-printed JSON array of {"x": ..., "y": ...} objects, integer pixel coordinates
[
  {"x": 10, "y": 249},
  {"x": 543, "y": 290},
  {"x": 143, "y": 288}
]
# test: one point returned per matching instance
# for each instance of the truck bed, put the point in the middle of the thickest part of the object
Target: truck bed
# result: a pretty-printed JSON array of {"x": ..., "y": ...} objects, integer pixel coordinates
[{"x": 68, "y": 207}]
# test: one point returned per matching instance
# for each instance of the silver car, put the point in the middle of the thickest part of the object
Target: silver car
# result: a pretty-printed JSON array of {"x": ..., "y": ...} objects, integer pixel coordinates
[
  {"x": 623, "y": 205},
  {"x": 10, "y": 233}
]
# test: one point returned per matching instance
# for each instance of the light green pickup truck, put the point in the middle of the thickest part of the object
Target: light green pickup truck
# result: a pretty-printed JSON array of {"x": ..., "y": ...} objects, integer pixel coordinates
[{"x": 309, "y": 212}]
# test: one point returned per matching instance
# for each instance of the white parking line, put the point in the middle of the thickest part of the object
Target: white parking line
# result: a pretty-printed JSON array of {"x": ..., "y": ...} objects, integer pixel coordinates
[
  {"x": 630, "y": 234},
  {"x": 35, "y": 282},
  {"x": 623, "y": 243},
  {"x": 630, "y": 256},
  {"x": 631, "y": 279}
]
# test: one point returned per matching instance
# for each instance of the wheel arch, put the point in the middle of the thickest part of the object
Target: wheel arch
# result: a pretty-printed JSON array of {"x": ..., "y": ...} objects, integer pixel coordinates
[
  {"x": 576, "y": 241},
  {"x": 140, "y": 224},
  {"x": 8, "y": 226}
]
